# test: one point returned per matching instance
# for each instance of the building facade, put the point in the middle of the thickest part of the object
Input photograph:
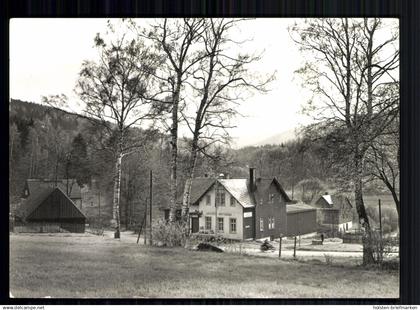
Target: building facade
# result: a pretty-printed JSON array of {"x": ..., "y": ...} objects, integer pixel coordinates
[{"x": 241, "y": 209}]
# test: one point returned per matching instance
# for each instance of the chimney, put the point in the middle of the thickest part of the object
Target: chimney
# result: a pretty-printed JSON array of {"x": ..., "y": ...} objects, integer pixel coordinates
[
  {"x": 221, "y": 176},
  {"x": 326, "y": 193},
  {"x": 227, "y": 175},
  {"x": 252, "y": 179}
]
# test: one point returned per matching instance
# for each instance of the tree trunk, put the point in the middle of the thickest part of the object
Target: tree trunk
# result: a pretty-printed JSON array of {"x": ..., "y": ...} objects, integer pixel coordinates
[
  {"x": 395, "y": 197},
  {"x": 174, "y": 153},
  {"x": 117, "y": 188},
  {"x": 368, "y": 257},
  {"x": 188, "y": 182}
]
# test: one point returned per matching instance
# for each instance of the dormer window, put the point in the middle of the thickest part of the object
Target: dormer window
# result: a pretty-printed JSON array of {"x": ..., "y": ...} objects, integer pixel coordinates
[
  {"x": 232, "y": 201},
  {"x": 220, "y": 198}
]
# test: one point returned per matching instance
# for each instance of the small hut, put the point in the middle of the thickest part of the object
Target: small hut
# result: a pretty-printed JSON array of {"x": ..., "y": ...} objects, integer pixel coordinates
[{"x": 50, "y": 210}]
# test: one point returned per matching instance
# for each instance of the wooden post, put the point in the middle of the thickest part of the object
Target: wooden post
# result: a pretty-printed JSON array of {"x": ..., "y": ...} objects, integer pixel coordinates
[
  {"x": 215, "y": 208},
  {"x": 294, "y": 249},
  {"x": 380, "y": 219},
  {"x": 142, "y": 225},
  {"x": 280, "y": 245},
  {"x": 150, "y": 206},
  {"x": 145, "y": 222},
  {"x": 99, "y": 207},
  {"x": 380, "y": 229}
]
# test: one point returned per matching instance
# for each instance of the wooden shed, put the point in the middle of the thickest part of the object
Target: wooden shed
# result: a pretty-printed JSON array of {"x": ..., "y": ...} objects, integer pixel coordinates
[
  {"x": 51, "y": 207},
  {"x": 301, "y": 219}
]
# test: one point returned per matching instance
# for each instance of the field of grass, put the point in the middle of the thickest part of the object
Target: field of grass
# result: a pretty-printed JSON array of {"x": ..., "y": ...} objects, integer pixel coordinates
[{"x": 98, "y": 266}]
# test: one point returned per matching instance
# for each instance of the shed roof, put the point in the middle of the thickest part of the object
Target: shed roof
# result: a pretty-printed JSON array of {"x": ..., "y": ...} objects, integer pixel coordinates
[
  {"x": 299, "y": 207},
  {"x": 35, "y": 185},
  {"x": 328, "y": 199},
  {"x": 37, "y": 198},
  {"x": 33, "y": 201}
]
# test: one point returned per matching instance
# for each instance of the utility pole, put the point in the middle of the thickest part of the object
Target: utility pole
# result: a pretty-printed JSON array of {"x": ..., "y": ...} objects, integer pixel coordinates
[
  {"x": 150, "y": 207},
  {"x": 145, "y": 222},
  {"x": 99, "y": 207},
  {"x": 215, "y": 207},
  {"x": 294, "y": 249}
]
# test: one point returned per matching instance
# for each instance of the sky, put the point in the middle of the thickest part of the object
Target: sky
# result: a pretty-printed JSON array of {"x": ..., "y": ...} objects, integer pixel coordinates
[{"x": 46, "y": 56}]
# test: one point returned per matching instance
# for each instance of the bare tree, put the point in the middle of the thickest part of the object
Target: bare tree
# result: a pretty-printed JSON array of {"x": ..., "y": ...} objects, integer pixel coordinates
[
  {"x": 383, "y": 159},
  {"x": 349, "y": 64},
  {"x": 116, "y": 91},
  {"x": 175, "y": 39},
  {"x": 219, "y": 81}
]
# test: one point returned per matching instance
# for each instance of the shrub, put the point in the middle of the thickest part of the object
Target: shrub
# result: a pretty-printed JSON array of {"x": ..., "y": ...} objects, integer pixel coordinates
[
  {"x": 382, "y": 246},
  {"x": 169, "y": 234},
  {"x": 328, "y": 259},
  {"x": 266, "y": 246}
]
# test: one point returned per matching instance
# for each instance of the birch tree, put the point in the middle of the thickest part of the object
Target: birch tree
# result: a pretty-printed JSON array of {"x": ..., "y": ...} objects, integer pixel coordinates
[
  {"x": 175, "y": 39},
  {"x": 219, "y": 81},
  {"x": 117, "y": 92},
  {"x": 350, "y": 61}
]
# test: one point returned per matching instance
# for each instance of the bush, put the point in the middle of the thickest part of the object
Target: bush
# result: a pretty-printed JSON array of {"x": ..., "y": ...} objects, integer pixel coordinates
[
  {"x": 169, "y": 234},
  {"x": 266, "y": 246},
  {"x": 328, "y": 259},
  {"x": 382, "y": 247}
]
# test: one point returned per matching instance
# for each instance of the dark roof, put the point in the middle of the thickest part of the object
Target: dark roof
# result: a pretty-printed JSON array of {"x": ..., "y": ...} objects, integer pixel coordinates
[
  {"x": 35, "y": 200},
  {"x": 264, "y": 183},
  {"x": 35, "y": 185}
]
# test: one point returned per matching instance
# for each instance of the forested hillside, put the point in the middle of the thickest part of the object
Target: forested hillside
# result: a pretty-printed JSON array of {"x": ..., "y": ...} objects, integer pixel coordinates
[{"x": 46, "y": 142}]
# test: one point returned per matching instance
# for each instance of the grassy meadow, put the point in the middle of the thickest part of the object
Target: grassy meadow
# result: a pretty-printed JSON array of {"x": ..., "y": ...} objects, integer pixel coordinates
[{"x": 91, "y": 266}]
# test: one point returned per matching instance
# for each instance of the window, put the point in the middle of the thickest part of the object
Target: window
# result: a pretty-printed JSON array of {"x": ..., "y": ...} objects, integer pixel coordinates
[
  {"x": 261, "y": 224},
  {"x": 220, "y": 223},
  {"x": 270, "y": 198},
  {"x": 271, "y": 223},
  {"x": 232, "y": 201},
  {"x": 208, "y": 200},
  {"x": 220, "y": 198},
  {"x": 208, "y": 223},
  {"x": 232, "y": 226}
]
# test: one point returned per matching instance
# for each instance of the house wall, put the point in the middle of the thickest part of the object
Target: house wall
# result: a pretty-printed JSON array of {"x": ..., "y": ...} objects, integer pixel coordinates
[
  {"x": 343, "y": 227},
  {"x": 301, "y": 223},
  {"x": 226, "y": 212},
  {"x": 328, "y": 216},
  {"x": 265, "y": 209}
]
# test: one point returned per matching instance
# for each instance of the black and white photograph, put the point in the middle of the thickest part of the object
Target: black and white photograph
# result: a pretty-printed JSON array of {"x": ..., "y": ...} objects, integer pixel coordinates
[{"x": 204, "y": 158}]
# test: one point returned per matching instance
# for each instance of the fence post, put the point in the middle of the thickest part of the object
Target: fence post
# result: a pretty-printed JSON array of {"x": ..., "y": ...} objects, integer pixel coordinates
[
  {"x": 380, "y": 230},
  {"x": 150, "y": 202},
  {"x": 294, "y": 249},
  {"x": 280, "y": 245}
]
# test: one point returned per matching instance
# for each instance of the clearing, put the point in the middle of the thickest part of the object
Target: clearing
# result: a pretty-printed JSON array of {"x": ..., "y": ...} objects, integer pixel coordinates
[{"x": 85, "y": 265}]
